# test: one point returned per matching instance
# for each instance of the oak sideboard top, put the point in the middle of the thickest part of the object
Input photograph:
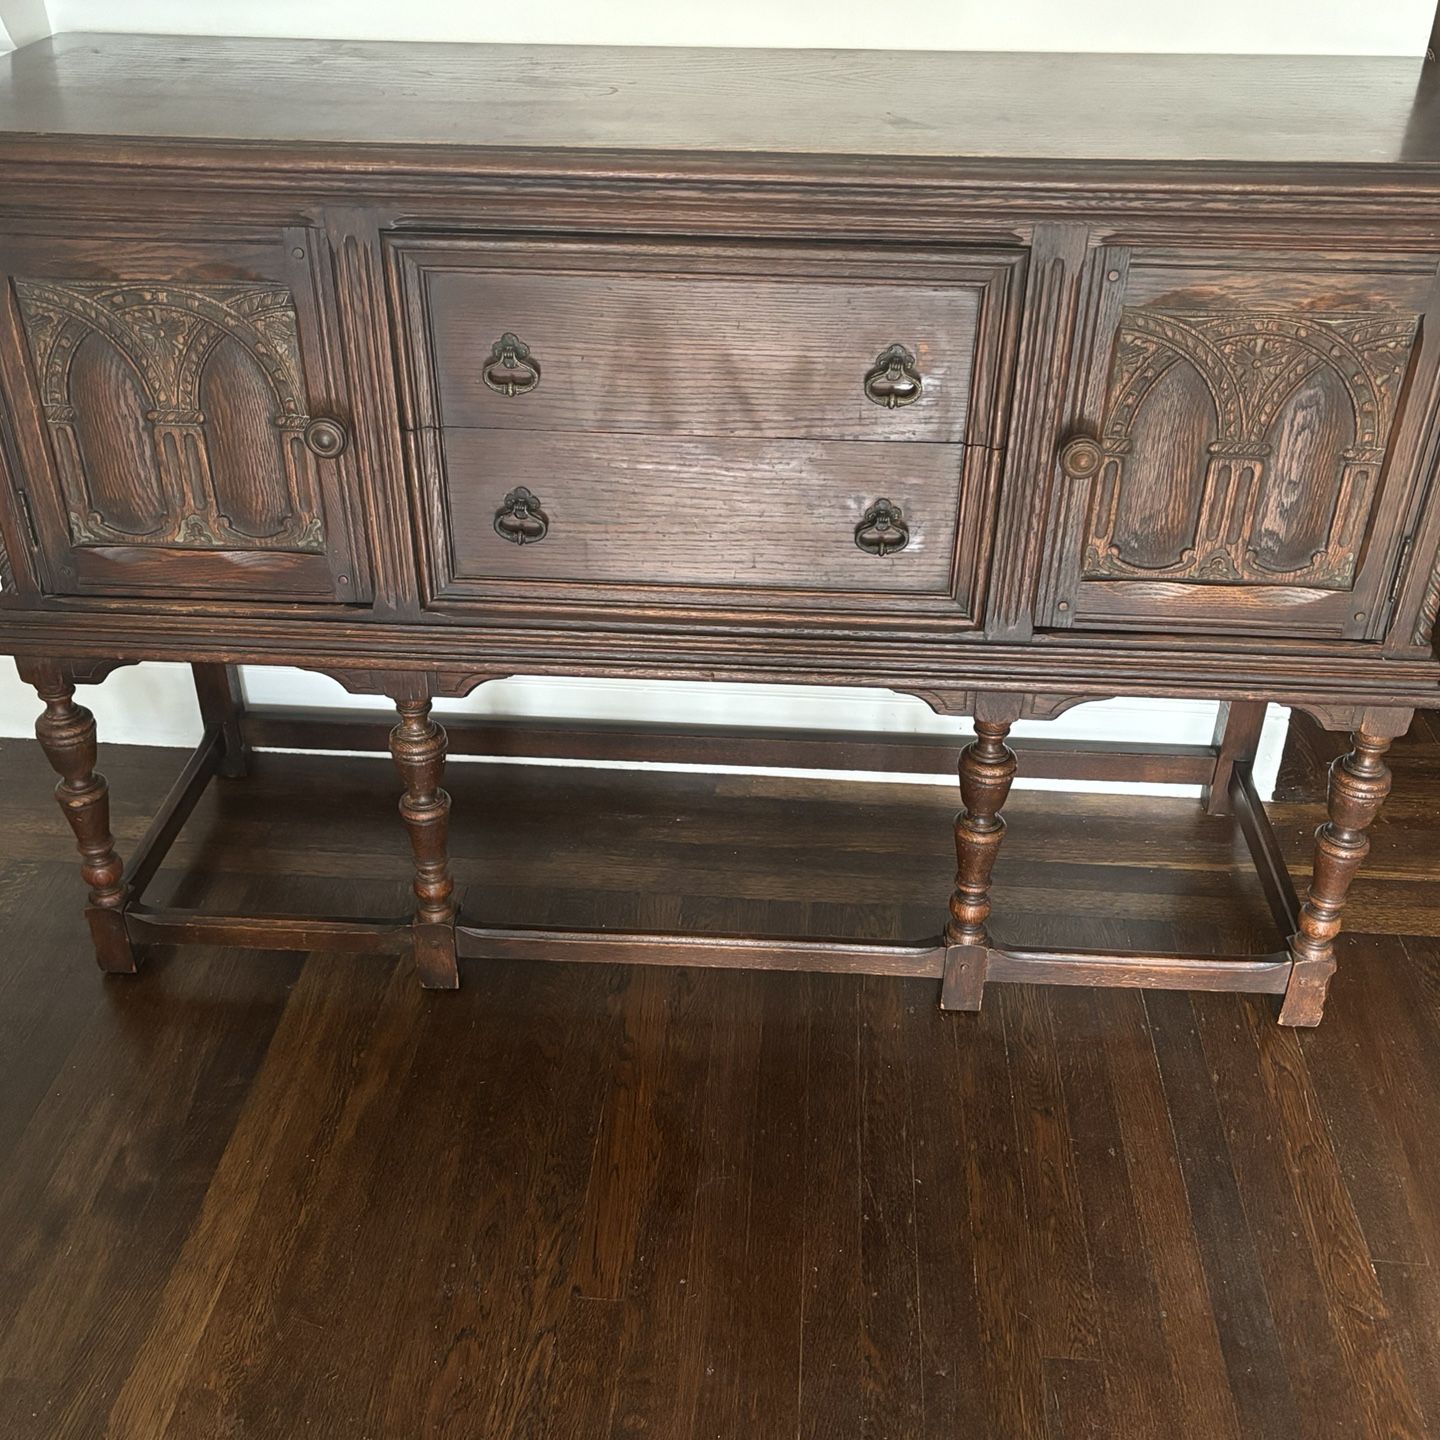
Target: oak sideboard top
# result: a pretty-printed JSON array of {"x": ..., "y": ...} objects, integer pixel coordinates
[{"x": 1161, "y": 109}]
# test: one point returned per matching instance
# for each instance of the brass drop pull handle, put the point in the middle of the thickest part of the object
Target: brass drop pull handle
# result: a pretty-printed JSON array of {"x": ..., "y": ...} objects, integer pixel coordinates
[
  {"x": 1081, "y": 457},
  {"x": 882, "y": 529},
  {"x": 520, "y": 519},
  {"x": 511, "y": 370},
  {"x": 326, "y": 438},
  {"x": 893, "y": 380}
]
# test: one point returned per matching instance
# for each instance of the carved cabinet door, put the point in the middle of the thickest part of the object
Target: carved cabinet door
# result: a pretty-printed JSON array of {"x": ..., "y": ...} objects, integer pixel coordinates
[
  {"x": 1247, "y": 448},
  {"x": 177, "y": 418}
]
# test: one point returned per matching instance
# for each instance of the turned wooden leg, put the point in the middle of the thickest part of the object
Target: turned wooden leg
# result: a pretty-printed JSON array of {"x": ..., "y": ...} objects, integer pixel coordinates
[
  {"x": 418, "y": 745},
  {"x": 222, "y": 706},
  {"x": 1237, "y": 738},
  {"x": 987, "y": 766},
  {"x": 66, "y": 732},
  {"x": 1359, "y": 783}
]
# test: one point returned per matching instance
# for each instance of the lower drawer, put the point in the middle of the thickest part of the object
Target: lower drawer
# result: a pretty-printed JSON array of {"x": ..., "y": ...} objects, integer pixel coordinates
[{"x": 738, "y": 516}]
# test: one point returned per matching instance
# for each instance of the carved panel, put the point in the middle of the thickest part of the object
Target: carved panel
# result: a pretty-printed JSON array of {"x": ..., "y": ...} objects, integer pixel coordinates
[
  {"x": 1429, "y": 609},
  {"x": 176, "y": 412},
  {"x": 7, "y": 577},
  {"x": 1244, "y": 448}
]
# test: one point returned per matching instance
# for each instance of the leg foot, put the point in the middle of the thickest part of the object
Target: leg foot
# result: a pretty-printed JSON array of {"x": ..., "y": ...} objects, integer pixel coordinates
[
  {"x": 963, "y": 987},
  {"x": 418, "y": 747},
  {"x": 66, "y": 732},
  {"x": 987, "y": 766},
  {"x": 1359, "y": 783},
  {"x": 435, "y": 962},
  {"x": 1303, "y": 1004}
]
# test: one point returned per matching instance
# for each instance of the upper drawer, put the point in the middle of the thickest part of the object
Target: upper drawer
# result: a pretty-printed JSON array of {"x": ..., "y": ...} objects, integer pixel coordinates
[{"x": 650, "y": 339}]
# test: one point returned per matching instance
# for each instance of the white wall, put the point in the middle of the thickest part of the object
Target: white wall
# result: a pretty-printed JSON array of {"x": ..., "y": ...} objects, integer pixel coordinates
[
  {"x": 22, "y": 21},
  {"x": 1344, "y": 27},
  {"x": 154, "y": 703}
]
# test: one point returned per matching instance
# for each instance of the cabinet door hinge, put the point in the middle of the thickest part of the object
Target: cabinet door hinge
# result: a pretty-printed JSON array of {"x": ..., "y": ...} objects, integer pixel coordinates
[
  {"x": 1400, "y": 565},
  {"x": 1398, "y": 579},
  {"x": 29, "y": 515}
]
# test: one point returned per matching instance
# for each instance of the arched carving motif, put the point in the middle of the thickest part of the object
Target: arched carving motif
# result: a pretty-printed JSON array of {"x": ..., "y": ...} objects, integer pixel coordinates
[
  {"x": 1252, "y": 364},
  {"x": 168, "y": 332},
  {"x": 1429, "y": 609}
]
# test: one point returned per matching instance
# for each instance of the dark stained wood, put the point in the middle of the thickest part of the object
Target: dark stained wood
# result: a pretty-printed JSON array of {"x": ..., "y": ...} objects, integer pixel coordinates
[
  {"x": 1359, "y": 783},
  {"x": 149, "y": 855},
  {"x": 606, "y": 948},
  {"x": 1260, "y": 974},
  {"x": 777, "y": 514},
  {"x": 418, "y": 745},
  {"x": 962, "y": 956},
  {"x": 987, "y": 766},
  {"x": 217, "y": 1178},
  {"x": 222, "y": 706},
  {"x": 784, "y": 354},
  {"x": 757, "y": 746},
  {"x": 1264, "y": 849},
  {"x": 120, "y": 477},
  {"x": 266, "y": 932},
  {"x": 1237, "y": 738},
  {"x": 1305, "y": 765},
  {"x": 174, "y": 411},
  {"x": 1233, "y": 473},
  {"x": 66, "y": 732},
  {"x": 424, "y": 367},
  {"x": 1261, "y": 1388},
  {"x": 1363, "y": 1361}
]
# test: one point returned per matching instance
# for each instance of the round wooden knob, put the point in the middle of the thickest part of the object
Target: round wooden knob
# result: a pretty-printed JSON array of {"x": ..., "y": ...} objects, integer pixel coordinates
[
  {"x": 1081, "y": 457},
  {"x": 326, "y": 438}
]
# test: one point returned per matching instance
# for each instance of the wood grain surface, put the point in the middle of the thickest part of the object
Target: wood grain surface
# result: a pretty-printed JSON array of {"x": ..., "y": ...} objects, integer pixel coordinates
[
  {"x": 704, "y": 252},
  {"x": 1280, "y": 109},
  {"x": 589, "y": 1200},
  {"x": 744, "y": 513},
  {"x": 783, "y": 358},
  {"x": 1055, "y": 234}
]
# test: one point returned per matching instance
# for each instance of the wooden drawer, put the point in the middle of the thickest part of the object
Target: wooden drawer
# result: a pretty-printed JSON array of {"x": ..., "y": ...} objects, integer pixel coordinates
[
  {"x": 659, "y": 354},
  {"x": 747, "y": 514},
  {"x": 705, "y": 425},
  {"x": 660, "y": 340}
]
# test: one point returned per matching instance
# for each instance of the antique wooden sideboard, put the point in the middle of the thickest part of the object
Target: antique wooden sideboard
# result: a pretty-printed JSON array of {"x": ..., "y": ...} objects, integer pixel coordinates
[{"x": 1006, "y": 381}]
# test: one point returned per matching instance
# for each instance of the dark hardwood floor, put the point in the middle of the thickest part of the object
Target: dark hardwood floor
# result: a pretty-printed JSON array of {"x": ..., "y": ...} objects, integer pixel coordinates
[{"x": 274, "y": 1196}]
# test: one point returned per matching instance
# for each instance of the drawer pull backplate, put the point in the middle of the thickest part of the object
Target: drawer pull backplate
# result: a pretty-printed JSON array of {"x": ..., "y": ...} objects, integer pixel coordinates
[
  {"x": 511, "y": 370},
  {"x": 882, "y": 529},
  {"x": 893, "y": 380},
  {"x": 520, "y": 519}
]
